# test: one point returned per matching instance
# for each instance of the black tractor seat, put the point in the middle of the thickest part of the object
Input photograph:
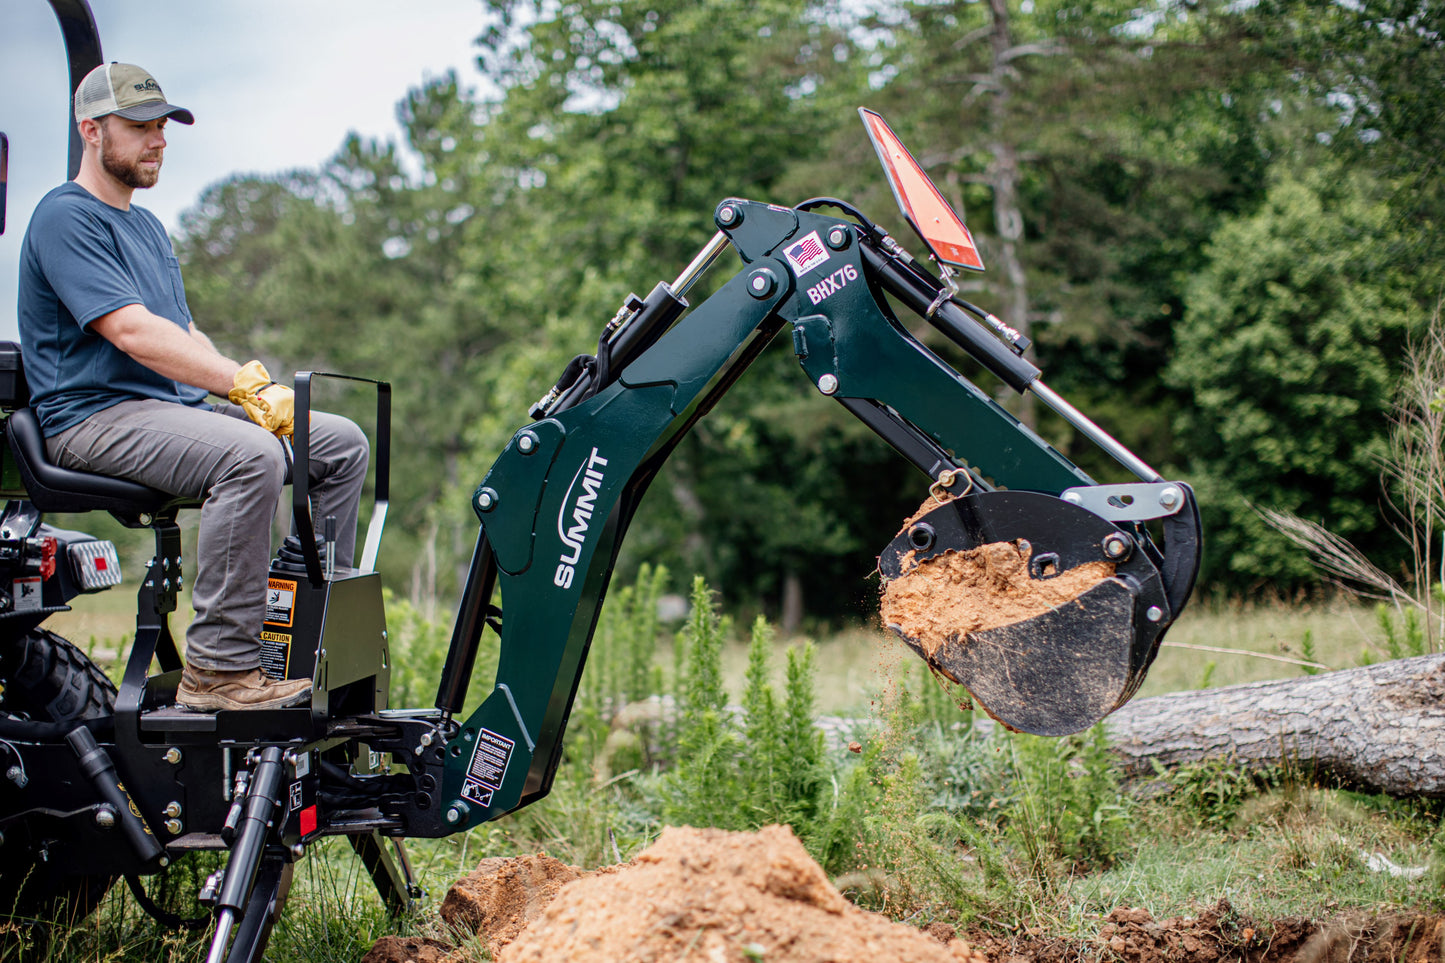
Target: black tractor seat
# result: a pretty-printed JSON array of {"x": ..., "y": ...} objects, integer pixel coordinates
[{"x": 55, "y": 489}]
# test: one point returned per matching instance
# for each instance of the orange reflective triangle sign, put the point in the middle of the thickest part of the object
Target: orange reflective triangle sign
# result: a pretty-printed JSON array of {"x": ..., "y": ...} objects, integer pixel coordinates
[{"x": 921, "y": 202}]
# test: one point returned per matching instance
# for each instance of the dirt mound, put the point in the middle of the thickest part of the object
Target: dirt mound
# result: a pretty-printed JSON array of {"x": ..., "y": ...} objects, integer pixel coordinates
[
  {"x": 501, "y": 896},
  {"x": 408, "y": 949},
  {"x": 695, "y": 894},
  {"x": 710, "y": 895},
  {"x": 944, "y": 598},
  {"x": 1219, "y": 934}
]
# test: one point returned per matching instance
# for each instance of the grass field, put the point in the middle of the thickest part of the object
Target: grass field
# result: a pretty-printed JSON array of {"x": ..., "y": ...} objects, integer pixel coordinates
[{"x": 1272, "y": 847}]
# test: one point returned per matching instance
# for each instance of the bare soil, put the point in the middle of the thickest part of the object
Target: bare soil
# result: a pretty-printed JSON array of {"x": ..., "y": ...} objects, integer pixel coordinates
[
  {"x": 712, "y": 896},
  {"x": 1220, "y": 934},
  {"x": 696, "y": 894},
  {"x": 946, "y": 597}
]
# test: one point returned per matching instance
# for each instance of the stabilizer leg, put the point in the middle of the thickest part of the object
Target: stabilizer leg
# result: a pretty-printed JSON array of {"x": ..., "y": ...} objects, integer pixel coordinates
[
  {"x": 386, "y": 862},
  {"x": 273, "y": 883}
]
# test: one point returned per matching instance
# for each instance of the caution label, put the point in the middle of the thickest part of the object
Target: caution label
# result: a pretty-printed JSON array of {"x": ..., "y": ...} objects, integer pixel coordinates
[
  {"x": 488, "y": 767},
  {"x": 276, "y": 654},
  {"x": 280, "y": 602}
]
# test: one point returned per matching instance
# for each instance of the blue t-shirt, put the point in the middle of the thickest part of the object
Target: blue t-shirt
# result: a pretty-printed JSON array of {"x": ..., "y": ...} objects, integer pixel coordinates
[{"x": 82, "y": 259}]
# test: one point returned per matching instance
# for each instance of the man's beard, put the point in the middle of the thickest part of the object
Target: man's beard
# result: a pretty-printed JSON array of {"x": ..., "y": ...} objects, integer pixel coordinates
[{"x": 130, "y": 173}]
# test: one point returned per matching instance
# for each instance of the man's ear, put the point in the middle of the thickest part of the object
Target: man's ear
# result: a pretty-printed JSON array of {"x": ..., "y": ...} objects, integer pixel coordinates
[{"x": 90, "y": 131}]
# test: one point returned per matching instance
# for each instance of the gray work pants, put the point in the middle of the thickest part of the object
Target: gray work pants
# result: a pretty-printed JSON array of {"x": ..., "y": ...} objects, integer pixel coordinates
[{"x": 239, "y": 468}]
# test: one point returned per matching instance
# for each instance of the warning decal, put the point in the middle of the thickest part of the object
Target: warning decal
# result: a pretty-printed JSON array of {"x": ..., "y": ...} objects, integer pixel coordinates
[
  {"x": 276, "y": 654},
  {"x": 488, "y": 768},
  {"x": 280, "y": 601},
  {"x": 26, "y": 594},
  {"x": 293, "y": 798}
]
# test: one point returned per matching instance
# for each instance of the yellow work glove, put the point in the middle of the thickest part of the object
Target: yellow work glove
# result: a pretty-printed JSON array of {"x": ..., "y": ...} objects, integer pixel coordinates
[{"x": 269, "y": 405}]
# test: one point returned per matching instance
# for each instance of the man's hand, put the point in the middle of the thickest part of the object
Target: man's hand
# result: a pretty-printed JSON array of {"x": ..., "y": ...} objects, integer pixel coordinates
[{"x": 269, "y": 405}]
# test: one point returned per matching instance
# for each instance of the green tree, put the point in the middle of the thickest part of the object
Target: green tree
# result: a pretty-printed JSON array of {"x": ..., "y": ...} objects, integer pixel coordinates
[
  {"x": 629, "y": 122},
  {"x": 1290, "y": 352}
]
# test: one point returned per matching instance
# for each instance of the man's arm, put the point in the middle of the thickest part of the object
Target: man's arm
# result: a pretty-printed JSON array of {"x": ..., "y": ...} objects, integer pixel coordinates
[
  {"x": 184, "y": 356},
  {"x": 201, "y": 336}
]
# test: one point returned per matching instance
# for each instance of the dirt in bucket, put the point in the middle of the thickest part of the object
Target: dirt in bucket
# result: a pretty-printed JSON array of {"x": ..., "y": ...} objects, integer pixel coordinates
[{"x": 944, "y": 598}]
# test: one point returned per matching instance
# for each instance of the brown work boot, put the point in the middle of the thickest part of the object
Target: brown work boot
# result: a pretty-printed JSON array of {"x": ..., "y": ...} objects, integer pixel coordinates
[{"x": 213, "y": 689}]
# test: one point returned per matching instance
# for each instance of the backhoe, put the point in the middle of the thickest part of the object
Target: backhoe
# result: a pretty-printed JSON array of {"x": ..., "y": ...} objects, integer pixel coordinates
[{"x": 104, "y": 782}]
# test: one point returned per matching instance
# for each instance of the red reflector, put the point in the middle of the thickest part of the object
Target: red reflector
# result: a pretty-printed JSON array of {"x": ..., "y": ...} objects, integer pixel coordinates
[
  {"x": 100, "y": 564},
  {"x": 308, "y": 820},
  {"x": 48, "y": 548},
  {"x": 47, "y": 568},
  {"x": 921, "y": 202}
]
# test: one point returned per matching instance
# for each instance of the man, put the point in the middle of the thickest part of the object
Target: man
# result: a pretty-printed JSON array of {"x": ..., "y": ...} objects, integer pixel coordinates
[{"x": 119, "y": 376}]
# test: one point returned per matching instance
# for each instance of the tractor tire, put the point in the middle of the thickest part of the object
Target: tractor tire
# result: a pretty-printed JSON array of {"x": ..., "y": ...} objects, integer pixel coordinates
[{"x": 47, "y": 679}]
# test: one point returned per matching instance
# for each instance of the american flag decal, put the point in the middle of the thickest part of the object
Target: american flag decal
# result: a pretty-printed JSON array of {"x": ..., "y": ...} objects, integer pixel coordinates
[{"x": 806, "y": 254}]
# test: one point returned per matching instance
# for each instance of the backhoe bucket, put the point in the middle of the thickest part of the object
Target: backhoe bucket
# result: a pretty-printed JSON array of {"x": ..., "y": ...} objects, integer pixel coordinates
[{"x": 1046, "y": 613}]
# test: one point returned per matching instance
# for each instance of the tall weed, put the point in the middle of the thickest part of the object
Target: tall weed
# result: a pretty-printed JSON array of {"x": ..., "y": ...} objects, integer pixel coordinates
[
  {"x": 704, "y": 788},
  {"x": 1067, "y": 806}
]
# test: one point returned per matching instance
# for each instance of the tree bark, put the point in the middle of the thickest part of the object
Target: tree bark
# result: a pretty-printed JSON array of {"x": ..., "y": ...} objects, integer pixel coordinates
[
  {"x": 1004, "y": 176},
  {"x": 1380, "y": 728}
]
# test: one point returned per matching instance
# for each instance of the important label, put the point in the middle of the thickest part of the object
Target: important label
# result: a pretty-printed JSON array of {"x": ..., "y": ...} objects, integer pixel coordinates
[
  {"x": 276, "y": 654},
  {"x": 280, "y": 601},
  {"x": 488, "y": 768},
  {"x": 25, "y": 593}
]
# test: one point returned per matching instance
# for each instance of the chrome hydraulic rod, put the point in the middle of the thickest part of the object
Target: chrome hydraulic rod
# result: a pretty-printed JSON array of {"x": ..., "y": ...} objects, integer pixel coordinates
[
  {"x": 224, "y": 925},
  {"x": 1095, "y": 434},
  {"x": 700, "y": 264}
]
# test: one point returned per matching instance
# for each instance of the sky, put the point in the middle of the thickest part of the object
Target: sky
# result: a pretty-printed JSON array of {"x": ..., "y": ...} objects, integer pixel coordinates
[{"x": 274, "y": 84}]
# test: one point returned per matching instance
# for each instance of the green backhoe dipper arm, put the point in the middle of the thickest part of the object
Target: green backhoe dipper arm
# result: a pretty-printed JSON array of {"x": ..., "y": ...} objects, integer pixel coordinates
[{"x": 555, "y": 505}]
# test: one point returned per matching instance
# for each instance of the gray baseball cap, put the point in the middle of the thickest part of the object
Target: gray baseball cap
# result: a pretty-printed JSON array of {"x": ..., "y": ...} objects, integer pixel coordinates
[{"x": 125, "y": 90}]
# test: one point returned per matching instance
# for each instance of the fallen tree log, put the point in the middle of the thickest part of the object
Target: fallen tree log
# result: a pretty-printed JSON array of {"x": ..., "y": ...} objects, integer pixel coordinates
[{"x": 1380, "y": 728}]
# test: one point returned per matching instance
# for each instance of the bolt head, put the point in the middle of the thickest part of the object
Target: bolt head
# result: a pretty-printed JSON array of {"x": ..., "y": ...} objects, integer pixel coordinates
[
  {"x": 762, "y": 283},
  {"x": 1154, "y": 613},
  {"x": 454, "y": 814},
  {"x": 105, "y": 817},
  {"x": 526, "y": 442},
  {"x": 837, "y": 239},
  {"x": 828, "y": 384},
  {"x": 1116, "y": 545},
  {"x": 174, "y": 827},
  {"x": 1073, "y": 498},
  {"x": 298, "y": 850},
  {"x": 1170, "y": 497},
  {"x": 727, "y": 214},
  {"x": 486, "y": 499}
]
